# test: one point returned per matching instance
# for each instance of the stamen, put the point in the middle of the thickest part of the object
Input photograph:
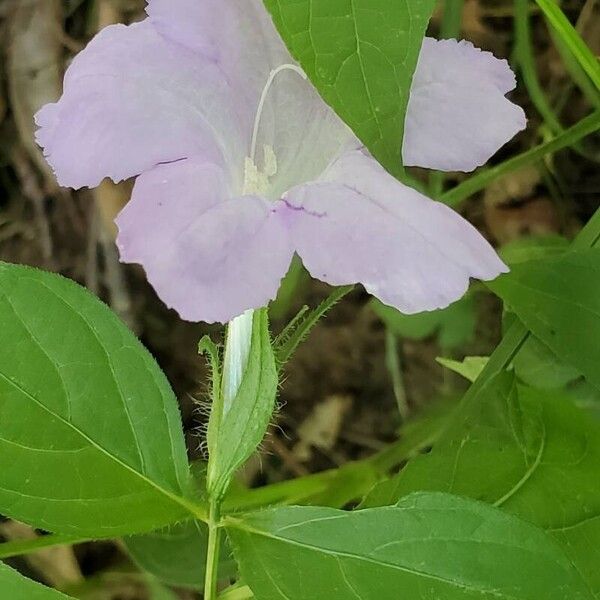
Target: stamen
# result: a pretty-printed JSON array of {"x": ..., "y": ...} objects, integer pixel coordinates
[
  {"x": 255, "y": 182},
  {"x": 270, "y": 161},
  {"x": 263, "y": 98}
]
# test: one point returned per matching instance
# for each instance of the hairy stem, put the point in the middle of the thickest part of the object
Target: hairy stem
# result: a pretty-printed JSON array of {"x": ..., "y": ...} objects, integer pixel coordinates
[{"x": 287, "y": 344}]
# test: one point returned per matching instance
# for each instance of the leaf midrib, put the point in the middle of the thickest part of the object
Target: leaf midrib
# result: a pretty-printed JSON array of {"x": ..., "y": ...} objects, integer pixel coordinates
[
  {"x": 337, "y": 554},
  {"x": 362, "y": 70},
  {"x": 196, "y": 511}
]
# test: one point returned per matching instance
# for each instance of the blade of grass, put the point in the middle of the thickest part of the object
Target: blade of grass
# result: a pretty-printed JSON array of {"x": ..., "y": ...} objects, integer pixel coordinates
[
  {"x": 20, "y": 547},
  {"x": 525, "y": 59},
  {"x": 524, "y": 56},
  {"x": 572, "y": 39},
  {"x": 575, "y": 70}
]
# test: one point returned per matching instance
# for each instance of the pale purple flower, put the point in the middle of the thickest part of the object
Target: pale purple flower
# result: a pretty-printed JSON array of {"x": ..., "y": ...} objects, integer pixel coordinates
[{"x": 240, "y": 164}]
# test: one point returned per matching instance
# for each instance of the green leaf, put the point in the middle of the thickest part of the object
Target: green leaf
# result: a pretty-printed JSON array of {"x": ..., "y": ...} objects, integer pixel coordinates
[
  {"x": 302, "y": 324},
  {"x": 157, "y": 591},
  {"x": 531, "y": 248},
  {"x": 427, "y": 546},
  {"x": 470, "y": 368},
  {"x": 350, "y": 482},
  {"x": 27, "y": 546},
  {"x": 238, "y": 425},
  {"x": 237, "y": 591},
  {"x": 572, "y": 39},
  {"x": 177, "y": 555},
  {"x": 91, "y": 440},
  {"x": 531, "y": 452},
  {"x": 537, "y": 366},
  {"x": 558, "y": 299},
  {"x": 576, "y": 71},
  {"x": 361, "y": 55},
  {"x": 454, "y": 326},
  {"x": 13, "y": 586},
  {"x": 583, "y": 395}
]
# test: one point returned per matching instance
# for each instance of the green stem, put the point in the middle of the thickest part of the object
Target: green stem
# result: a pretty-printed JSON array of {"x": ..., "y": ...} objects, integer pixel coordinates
[
  {"x": 578, "y": 75},
  {"x": 452, "y": 19},
  {"x": 392, "y": 362},
  {"x": 576, "y": 44},
  {"x": 20, "y": 547},
  {"x": 212, "y": 555},
  {"x": 500, "y": 359},
  {"x": 337, "y": 487},
  {"x": 524, "y": 53},
  {"x": 474, "y": 184}
]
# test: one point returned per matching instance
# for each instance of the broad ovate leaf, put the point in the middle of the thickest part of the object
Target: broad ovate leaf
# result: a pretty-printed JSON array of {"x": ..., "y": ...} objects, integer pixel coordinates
[
  {"x": 558, "y": 299},
  {"x": 530, "y": 452},
  {"x": 91, "y": 439},
  {"x": 426, "y": 546}
]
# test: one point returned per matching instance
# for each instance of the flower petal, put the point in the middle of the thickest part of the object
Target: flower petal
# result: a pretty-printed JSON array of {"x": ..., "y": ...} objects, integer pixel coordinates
[
  {"x": 237, "y": 36},
  {"x": 133, "y": 99},
  {"x": 360, "y": 225},
  {"x": 303, "y": 132},
  {"x": 208, "y": 257},
  {"x": 458, "y": 115}
]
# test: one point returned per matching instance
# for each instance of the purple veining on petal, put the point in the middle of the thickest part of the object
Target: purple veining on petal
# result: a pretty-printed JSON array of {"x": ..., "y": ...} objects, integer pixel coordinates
[
  {"x": 312, "y": 213},
  {"x": 410, "y": 252},
  {"x": 172, "y": 162}
]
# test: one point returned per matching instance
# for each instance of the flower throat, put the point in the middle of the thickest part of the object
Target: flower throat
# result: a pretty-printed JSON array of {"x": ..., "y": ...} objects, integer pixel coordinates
[{"x": 256, "y": 181}]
